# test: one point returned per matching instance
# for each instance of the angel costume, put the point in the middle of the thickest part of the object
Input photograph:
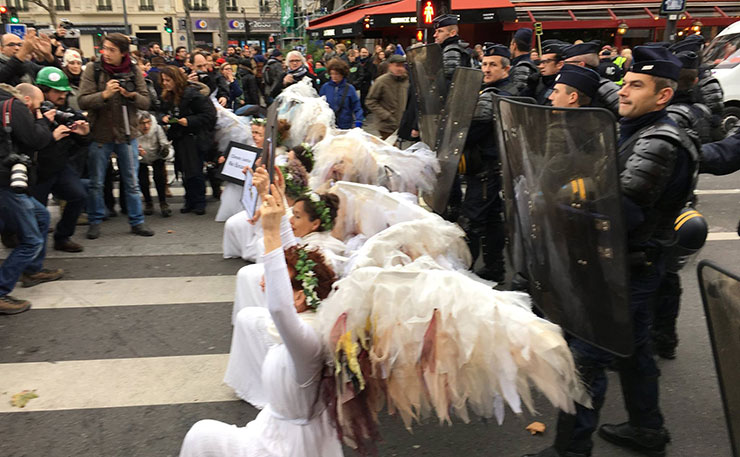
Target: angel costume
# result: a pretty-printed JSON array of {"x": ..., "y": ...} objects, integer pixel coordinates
[
  {"x": 230, "y": 127},
  {"x": 251, "y": 340},
  {"x": 294, "y": 421}
]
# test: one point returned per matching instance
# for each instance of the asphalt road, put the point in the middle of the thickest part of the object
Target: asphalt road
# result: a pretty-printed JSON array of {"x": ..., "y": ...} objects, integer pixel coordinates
[{"x": 127, "y": 373}]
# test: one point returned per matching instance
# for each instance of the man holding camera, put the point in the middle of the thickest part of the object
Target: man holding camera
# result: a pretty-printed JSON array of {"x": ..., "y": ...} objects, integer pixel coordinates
[
  {"x": 56, "y": 170},
  {"x": 24, "y": 131},
  {"x": 199, "y": 73},
  {"x": 111, "y": 91}
]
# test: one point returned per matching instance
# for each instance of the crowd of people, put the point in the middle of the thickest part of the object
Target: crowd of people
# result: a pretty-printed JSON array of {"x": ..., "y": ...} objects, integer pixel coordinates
[{"x": 342, "y": 208}]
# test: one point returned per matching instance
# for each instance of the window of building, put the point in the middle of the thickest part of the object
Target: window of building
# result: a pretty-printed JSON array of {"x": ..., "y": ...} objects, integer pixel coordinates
[
  {"x": 105, "y": 5},
  {"x": 231, "y": 5},
  {"x": 198, "y": 5},
  {"x": 61, "y": 5},
  {"x": 146, "y": 5},
  {"x": 21, "y": 5}
]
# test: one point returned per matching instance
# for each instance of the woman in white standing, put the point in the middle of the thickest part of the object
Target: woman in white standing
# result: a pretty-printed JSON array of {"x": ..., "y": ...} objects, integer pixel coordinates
[{"x": 295, "y": 422}]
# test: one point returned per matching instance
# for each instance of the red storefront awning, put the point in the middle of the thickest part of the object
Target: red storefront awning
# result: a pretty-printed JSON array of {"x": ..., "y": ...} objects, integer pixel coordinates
[
  {"x": 340, "y": 23},
  {"x": 458, "y": 5}
]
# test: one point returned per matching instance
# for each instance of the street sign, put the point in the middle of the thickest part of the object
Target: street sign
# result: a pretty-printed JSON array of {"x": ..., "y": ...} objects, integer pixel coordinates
[
  {"x": 16, "y": 29},
  {"x": 538, "y": 28}
]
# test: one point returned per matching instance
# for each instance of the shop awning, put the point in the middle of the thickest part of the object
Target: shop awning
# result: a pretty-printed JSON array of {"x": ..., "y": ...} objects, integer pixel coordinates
[
  {"x": 561, "y": 15},
  {"x": 350, "y": 22}
]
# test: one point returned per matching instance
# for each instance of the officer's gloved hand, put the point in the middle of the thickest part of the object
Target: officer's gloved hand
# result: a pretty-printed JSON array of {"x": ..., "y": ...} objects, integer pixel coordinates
[{"x": 358, "y": 124}]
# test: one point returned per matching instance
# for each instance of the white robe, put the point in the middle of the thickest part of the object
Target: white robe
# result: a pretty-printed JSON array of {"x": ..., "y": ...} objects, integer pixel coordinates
[
  {"x": 250, "y": 341},
  {"x": 294, "y": 422},
  {"x": 231, "y": 201}
]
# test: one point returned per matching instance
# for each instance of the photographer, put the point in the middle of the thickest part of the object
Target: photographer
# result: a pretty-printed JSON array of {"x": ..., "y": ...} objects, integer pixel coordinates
[
  {"x": 216, "y": 83},
  {"x": 25, "y": 131},
  {"x": 16, "y": 65},
  {"x": 191, "y": 117},
  {"x": 57, "y": 173},
  {"x": 109, "y": 88}
]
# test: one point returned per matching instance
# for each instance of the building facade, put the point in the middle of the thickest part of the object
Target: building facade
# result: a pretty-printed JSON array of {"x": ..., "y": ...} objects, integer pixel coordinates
[{"x": 146, "y": 21}]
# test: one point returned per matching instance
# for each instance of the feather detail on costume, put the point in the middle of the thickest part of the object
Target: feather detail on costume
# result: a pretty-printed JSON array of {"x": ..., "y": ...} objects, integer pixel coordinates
[
  {"x": 356, "y": 156},
  {"x": 230, "y": 127},
  {"x": 310, "y": 117},
  {"x": 435, "y": 342}
]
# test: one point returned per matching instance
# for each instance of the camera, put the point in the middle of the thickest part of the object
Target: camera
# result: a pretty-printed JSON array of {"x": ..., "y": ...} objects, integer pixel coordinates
[
  {"x": 67, "y": 116},
  {"x": 18, "y": 164},
  {"x": 126, "y": 80},
  {"x": 174, "y": 116},
  {"x": 66, "y": 24}
]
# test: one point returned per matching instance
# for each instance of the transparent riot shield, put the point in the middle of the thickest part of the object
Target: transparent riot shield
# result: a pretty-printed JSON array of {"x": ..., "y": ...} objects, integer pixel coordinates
[
  {"x": 720, "y": 292},
  {"x": 564, "y": 211},
  {"x": 427, "y": 74},
  {"x": 453, "y": 130}
]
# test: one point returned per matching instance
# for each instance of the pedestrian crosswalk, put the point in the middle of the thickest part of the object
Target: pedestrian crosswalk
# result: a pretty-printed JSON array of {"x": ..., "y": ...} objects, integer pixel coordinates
[{"x": 129, "y": 349}]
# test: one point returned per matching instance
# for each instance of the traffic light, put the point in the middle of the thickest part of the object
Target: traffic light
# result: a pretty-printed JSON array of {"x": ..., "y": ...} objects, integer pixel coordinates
[
  {"x": 168, "y": 24},
  {"x": 426, "y": 10},
  {"x": 13, "y": 15},
  {"x": 420, "y": 36},
  {"x": 4, "y": 14}
]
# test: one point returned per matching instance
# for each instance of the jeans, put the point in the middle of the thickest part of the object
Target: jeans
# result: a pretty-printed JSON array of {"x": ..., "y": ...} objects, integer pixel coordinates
[
  {"x": 638, "y": 374},
  {"x": 160, "y": 181},
  {"x": 65, "y": 185},
  {"x": 242, "y": 109},
  {"x": 128, "y": 166},
  {"x": 31, "y": 220}
]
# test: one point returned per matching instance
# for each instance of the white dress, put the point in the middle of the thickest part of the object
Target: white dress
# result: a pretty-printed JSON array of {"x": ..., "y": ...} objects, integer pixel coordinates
[
  {"x": 231, "y": 201},
  {"x": 294, "y": 423},
  {"x": 251, "y": 339},
  {"x": 241, "y": 237}
]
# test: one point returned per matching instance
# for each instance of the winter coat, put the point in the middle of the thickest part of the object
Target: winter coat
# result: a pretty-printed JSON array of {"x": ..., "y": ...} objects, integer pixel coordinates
[
  {"x": 350, "y": 111},
  {"x": 106, "y": 116},
  {"x": 250, "y": 89},
  {"x": 387, "y": 101}
]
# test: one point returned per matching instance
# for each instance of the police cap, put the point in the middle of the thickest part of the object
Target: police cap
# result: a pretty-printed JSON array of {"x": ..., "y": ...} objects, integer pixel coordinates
[
  {"x": 554, "y": 47},
  {"x": 656, "y": 61},
  {"x": 689, "y": 59},
  {"x": 524, "y": 35},
  {"x": 493, "y": 49},
  {"x": 445, "y": 20},
  {"x": 581, "y": 78}
]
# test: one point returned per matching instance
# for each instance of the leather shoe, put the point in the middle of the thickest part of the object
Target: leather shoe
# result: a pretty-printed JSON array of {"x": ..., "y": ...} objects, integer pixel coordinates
[
  {"x": 185, "y": 209},
  {"x": 552, "y": 452},
  {"x": 11, "y": 305},
  {"x": 68, "y": 246},
  {"x": 142, "y": 230},
  {"x": 93, "y": 231},
  {"x": 647, "y": 441},
  {"x": 199, "y": 211},
  {"x": 45, "y": 275}
]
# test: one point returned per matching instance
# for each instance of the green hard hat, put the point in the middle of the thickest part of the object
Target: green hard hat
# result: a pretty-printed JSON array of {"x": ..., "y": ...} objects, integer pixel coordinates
[{"x": 54, "y": 78}]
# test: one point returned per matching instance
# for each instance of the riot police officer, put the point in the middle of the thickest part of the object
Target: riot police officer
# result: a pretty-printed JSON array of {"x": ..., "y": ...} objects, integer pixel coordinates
[
  {"x": 482, "y": 208},
  {"x": 455, "y": 52},
  {"x": 524, "y": 76},
  {"x": 587, "y": 55},
  {"x": 551, "y": 62},
  {"x": 657, "y": 163},
  {"x": 574, "y": 87}
]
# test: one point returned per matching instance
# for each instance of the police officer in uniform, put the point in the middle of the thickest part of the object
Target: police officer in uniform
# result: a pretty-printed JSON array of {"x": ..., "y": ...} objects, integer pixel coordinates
[
  {"x": 455, "y": 52},
  {"x": 710, "y": 91},
  {"x": 656, "y": 163},
  {"x": 574, "y": 87},
  {"x": 524, "y": 75},
  {"x": 686, "y": 110},
  {"x": 482, "y": 209},
  {"x": 587, "y": 55},
  {"x": 551, "y": 62},
  {"x": 607, "y": 68}
]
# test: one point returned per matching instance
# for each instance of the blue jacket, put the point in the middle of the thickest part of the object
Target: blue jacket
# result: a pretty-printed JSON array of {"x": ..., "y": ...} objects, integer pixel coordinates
[{"x": 351, "y": 113}]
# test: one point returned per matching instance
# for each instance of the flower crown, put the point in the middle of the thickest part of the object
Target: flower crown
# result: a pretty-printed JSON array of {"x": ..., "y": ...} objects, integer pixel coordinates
[
  {"x": 324, "y": 213},
  {"x": 305, "y": 274},
  {"x": 308, "y": 152},
  {"x": 294, "y": 186},
  {"x": 259, "y": 121}
]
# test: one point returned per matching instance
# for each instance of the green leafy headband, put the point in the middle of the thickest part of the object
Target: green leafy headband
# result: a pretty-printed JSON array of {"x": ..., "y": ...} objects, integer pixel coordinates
[
  {"x": 305, "y": 274},
  {"x": 259, "y": 121},
  {"x": 308, "y": 152},
  {"x": 324, "y": 213}
]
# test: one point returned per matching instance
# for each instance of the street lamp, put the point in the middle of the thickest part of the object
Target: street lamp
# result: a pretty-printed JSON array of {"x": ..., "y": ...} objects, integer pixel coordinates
[
  {"x": 622, "y": 28},
  {"x": 696, "y": 28}
]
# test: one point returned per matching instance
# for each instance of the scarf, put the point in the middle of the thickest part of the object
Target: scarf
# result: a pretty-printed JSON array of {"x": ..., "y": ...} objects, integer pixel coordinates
[
  {"x": 299, "y": 72},
  {"x": 628, "y": 127},
  {"x": 123, "y": 67}
]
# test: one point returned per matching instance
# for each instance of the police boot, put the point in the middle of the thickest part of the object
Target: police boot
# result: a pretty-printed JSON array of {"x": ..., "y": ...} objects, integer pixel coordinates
[
  {"x": 665, "y": 342},
  {"x": 552, "y": 452},
  {"x": 646, "y": 441}
]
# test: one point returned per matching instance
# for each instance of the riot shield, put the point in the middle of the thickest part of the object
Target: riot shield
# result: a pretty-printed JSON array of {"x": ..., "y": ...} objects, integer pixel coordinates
[
  {"x": 453, "y": 130},
  {"x": 427, "y": 74},
  {"x": 720, "y": 292},
  {"x": 564, "y": 211}
]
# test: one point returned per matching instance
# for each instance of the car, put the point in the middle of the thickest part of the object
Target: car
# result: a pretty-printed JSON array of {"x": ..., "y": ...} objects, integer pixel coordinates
[{"x": 723, "y": 55}]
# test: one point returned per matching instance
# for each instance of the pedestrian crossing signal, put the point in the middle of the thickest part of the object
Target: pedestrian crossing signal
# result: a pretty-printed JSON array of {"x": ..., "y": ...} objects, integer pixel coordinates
[
  {"x": 13, "y": 15},
  {"x": 428, "y": 12},
  {"x": 168, "y": 24}
]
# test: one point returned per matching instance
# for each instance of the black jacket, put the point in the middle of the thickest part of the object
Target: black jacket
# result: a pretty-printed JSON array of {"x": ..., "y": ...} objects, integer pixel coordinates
[
  {"x": 13, "y": 69},
  {"x": 250, "y": 88},
  {"x": 54, "y": 157},
  {"x": 28, "y": 135},
  {"x": 197, "y": 108}
]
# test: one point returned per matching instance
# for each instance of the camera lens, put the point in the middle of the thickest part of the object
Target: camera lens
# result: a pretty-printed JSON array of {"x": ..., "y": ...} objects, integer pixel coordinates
[{"x": 19, "y": 178}]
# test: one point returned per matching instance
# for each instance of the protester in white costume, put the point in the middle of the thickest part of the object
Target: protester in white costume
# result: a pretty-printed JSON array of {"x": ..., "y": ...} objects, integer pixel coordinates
[
  {"x": 295, "y": 422},
  {"x": 241, "y": 235},
  {"x": 231, "y": 128},
  {"x": 251, "y": 341}
]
